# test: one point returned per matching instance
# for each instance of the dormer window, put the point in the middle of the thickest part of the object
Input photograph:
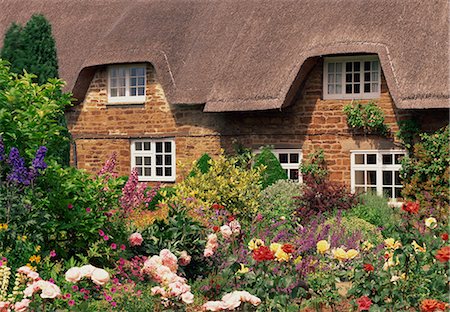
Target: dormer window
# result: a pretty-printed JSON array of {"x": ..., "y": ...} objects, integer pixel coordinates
[
  {"x": 351, "y": 77},
  {"x": 126, "y": 83}
]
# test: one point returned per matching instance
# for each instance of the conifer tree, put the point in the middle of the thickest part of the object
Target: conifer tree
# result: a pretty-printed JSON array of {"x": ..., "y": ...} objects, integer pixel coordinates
[{"x": 12, "y": 50}]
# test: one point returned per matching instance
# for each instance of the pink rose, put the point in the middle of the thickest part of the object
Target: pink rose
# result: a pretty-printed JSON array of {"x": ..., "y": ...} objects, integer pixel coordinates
[
  {"x": 157, "y": 290},
  {"x": 212, "y": 239},
  {"x": 247, "y": 297},
  {"x": 151, "y": 264},
  {"x": 169, "y": 259},
  {"x": 161, "y": 273},
  {"x": 187, "y": 297},
  {"x": 184, "y": 258},
  {"x": 208, "y": 252},
  {"x": 232, "y": 300},
  {"x": 22, "y": 306},
  {"x": 100, "y": 277},
  {"x": 24, "y": 270},
  {"x": 226, "y": 232},
  {"x": 4, "y": 306},
  {"x": 135, "y": 239},
  {"x": 49, "y": 290},
  {"x": 177, "y": 288},
  {"x": 214, "y": 306},
  {"x": 33, "y": 275},
  {"x": 235, "y": 226},
  {"x": 86, "y": 270},
  {"x": 73, "y": 275}
]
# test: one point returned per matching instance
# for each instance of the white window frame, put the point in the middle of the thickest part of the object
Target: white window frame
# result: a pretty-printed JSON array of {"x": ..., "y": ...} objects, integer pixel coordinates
[
  {"x": 152, "y": 154},
  {"x": 127, "y": 99},
  {"x": 378, "y": 167},
  {"x": 288, "y": 166},
  {"x": 352, "y": 96}
]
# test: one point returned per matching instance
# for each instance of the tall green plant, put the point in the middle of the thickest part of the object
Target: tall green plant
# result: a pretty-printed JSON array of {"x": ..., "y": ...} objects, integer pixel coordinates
[
  {"x": 13, "y": 49},
  {"x": 273, "y": 170}
]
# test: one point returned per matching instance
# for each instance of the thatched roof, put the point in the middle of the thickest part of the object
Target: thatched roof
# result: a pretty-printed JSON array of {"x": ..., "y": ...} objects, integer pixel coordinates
[{"x": 248, "y": 54}]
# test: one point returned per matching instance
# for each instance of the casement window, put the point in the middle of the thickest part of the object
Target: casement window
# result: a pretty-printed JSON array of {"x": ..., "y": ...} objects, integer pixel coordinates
[
  {"x": 290, "y": 160},
  {"x": 126, "y": 83},
  {"x": 351, "y": 77},
  {"x": 154, "y": 159},
  {"x": 377, "y": 171}
]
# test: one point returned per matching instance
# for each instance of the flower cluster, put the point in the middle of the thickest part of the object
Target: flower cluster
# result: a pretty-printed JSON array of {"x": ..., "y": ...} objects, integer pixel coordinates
[
  {"x": 431, "y": 305},
  {"x": 211, "y": 245},
  {"x": 98, "y": 276},
  {"x": 135, "y": 194},
  {"x": 232, "y": 301},
  {"x": 20, "y": 174},
  {"x": 108, "y": 168},
  {"x": 163, "y": 269},
  {"x": 135, "y": 239},
  {"x": 411, "y": 207},
  {"x": 340, "y": 254}
]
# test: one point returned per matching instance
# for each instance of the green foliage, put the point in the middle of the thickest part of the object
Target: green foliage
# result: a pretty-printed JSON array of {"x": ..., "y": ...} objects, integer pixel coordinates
[
  {"x": 163, "y": 193},
  {"x": 407, "y": 133},
  {"x": 375, "y": 210},
  {"x": 202, "y": 165},
  {"x": 425, "y": 173},
  {"x": 30, "y": 114},
  {"x": 315, "y": 166},
  {"x": 227, "y": 184},
  {"x": 367, "y": 117},
  {"x": 278, "y": 200},
  {"x": 273, "y": 170},
  {"x": 32, "y": 48},
  {"x": 351, "y": 225}
]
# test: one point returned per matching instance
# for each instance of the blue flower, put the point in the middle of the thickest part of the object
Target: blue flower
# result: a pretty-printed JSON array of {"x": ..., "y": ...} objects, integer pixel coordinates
[
  {"x": 19, "y": 173},
  {"x": 38, "y": 161}
]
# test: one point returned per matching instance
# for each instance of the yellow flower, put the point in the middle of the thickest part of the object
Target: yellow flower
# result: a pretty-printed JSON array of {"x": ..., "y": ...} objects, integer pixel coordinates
[
  {"x": 392, "y": 244},
  {"x": 431, "y": 222},
  {"x": 243, "y": 269},
  {"x": 35, "y": 258},
  {"x": 366, "y": 246},
  {"x": 298, "y": 259},
  {"x": 322, "y": 246},
  {"x": 418, "y": 248},
  {"x": 3, "y": 226},
  {"x": 37, "y": 248},
  {"x": 275, "y": 247},
  {"x": 352, "y": 253},
  {"x": 255, "y": 243},
  {"x": 281, "y": 256},
  {"x": 339, "y": 254}
]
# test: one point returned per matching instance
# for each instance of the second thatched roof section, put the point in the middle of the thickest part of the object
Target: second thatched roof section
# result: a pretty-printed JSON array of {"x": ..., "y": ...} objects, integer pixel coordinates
[{"x": 248, "y": 55}]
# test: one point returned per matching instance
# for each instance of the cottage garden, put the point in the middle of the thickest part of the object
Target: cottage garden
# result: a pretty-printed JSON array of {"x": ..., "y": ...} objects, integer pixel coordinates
[{"x": 233, "y": 235}]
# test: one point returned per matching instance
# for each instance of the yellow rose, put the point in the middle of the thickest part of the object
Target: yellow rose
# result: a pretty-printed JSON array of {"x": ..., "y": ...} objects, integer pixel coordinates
[
  {"x": 418, "y": 248},
  {"x": 255, "y": 243},
  {"x": 352, "y": 253},
  {"x": 243, "y": 269},
  {"x": 366, "y": 246},
  {"x": 431, "y": 222},
  {"x": 322, "y": 246},
  {"x": 339, "y": 254},
  {"x": 275, "y": 247},
  {"x": 281, "y": 256},
  {"x": 392, "y": 244}
]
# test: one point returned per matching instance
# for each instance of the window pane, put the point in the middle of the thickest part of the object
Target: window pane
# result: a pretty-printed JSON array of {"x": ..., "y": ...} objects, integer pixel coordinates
[
  {"x": 387, "y": 159},
  {"x": 375, "y": 76},
  {"x": 338, "y": 67},
  {"x": 356, "y": 88},
  {"x": 147, "y": 146},
  {"x": 348, "y": 66},
  {"x": 359, "y": 190},
  {"x": 141, "y": 81},
  {"x": 159, "y": 171},
  {"x": 283, "y": 158},
  {"x": 387, "y": 177},
  {"x": 113, "y": 92},
  {"x": 338, "y": 89},
  {"x": 330, "y": 78},
  {"x": 330, "y": 89},
  {"x": 167, "y": 171},
  {"x": 293, "y": 174},
  {"x": 398, "y": 192},
  {"x": 147, "y": 171},
  {"x": 359, "y": 159},
  {"x": 366, "y": 65},
  {"x": 356, "y": 77},
  {"x": 167, "y": 147},
  {"x": 167, "y": 160},
  {"x": 398, "y": 158},
  {"x": 138, "y": 146},
  {"x": 147, "y": 161},
  {"x": 133, "y": 82},
  {"x": 356, "y": 66},
  {"x": 366, "y": 76},
  {"x": 159, "y": 147},
  {"x": 159, "y": 160},
  {"x": 122, "y": 92},
  {"x": 371, "y": 159},
  {"x": 359, "y": 177},
  {"x": 138, "y": 161},
  {"x": 374, "y": 87},
  {"x": 372, "y": 190},
  {"x": 371, "y": 178},
  {"x": 348, "y": 88},
  {"x": 140, "y": 71},
  {"x": 133, "y": 91},
  {"x": 141, "y": 91},
  {"x": 331, "y": 67},
  {"x": 398, "y": 181},
  {"x": 367, "y": 87},
  {"x": 387, "y": 192},
  {"x": 374, "y": 65},
  {"x": 348, "y": 78},
  {"x": 293, "y": 158},
  {"x": 139, "y": 171}
]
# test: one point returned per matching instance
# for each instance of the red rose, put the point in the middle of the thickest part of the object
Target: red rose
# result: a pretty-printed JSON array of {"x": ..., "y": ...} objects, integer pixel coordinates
[
  {"x": 443, "y": 254},
  {"x": 231, "y": 218},
  {"x": 215, "y": 206},
  {"x": 411, "y": 207},
  {"x": 364, "y": 303},
  {"x": 444, "y": 236},
  {"x": 215, "y": 228},
  {"x": 288, "y": 248},
  {"x": 263, "y": 253},
  {"x": 368, "y": 267}
]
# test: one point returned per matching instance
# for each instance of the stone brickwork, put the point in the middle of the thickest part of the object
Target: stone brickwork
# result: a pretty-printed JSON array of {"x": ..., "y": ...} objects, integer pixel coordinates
[{"x": 310, "y": 123}]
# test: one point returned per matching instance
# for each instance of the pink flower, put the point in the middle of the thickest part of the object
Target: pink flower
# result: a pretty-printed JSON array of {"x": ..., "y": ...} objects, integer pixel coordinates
[
  {"x": 208, "y": 253},
  {"x": 4, "y": 306},
  {"x": 69, "y": 206},
  {"x": 100, "y": 277},
  {"x": 52, "y": 254},
  {"x": 22, "y": 305},
  {"x": 232, "y": 300},
  {"x": 113, "y": 246},
  {"x": 151, "y": 264},
  {"x": 71, "y": 302},
  {"x": 184, "y": 258},
  {"x": 108, "y": 298},
  {"x": 235, "y": 227},
  {"x": 187, "y": 297},
  {"x": 169, "y": 259},
  {"x": 75, "y": 288},
  {"x": 214, "y": 306},
  {"x": 114, "y": 304},
  {"x": 177, "y": 288},
  {"x": 106, "y": 237},
  {"x": 226, "y": 232},
  {"x": 67, "y": 296},
  {"x": 157, "y": 290},
  {"x": 33, "y": 275},
  {"x": 135, "y": 239},
  {"x": 24, "y": 270},
  {"x": 73, "y": 275},
  {"x": 88, "y": 210},
  {"x": 86, "y": 270},
  {"x": 123, "y": 247},
  {"x": 101, "y": 233}
]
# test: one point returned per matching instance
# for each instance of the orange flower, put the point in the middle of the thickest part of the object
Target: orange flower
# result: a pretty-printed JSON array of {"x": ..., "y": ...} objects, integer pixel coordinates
[
  {"x": 443, "y": 254},
  {"x": 263, "y": 253},
  {"x": 368, "y": 267},
  {"x": 411, "y": 207},
  {"x": 288, "y": 248},
  {"x": 431, "y": 305}
]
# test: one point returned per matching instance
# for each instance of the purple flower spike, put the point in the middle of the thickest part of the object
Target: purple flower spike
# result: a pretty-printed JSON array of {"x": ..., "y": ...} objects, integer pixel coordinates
[
  {"x": 19, "y": 173},
  {"x": 38, "y": 161}
]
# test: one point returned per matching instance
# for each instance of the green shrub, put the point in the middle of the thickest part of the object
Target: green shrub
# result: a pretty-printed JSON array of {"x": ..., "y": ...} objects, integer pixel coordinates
[
  {"x": 202, "y": 165},
  {"x": 273, "y": 170},
  {"x": 426, "y": 172},
  {"x": 351, "y": 225},
  {"x": 227, "y": 184},
  {"x": 366, "y": 117},
  {"x": 277, "y": 200},
  {"x": 375, "y": 210},
  {"x": 163, "y": 193}
]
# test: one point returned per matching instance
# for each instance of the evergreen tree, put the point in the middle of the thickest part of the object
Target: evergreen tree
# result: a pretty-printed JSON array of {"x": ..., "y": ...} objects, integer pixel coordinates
[
  {"x": 12, "y": 50},
  {"x": 273, "y": 172}
]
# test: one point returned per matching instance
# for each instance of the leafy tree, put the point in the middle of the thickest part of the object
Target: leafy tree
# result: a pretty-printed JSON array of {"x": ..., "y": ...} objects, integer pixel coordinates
[
  {"x": 273, "y": 172},
  {"x": 13, "y": 48}
]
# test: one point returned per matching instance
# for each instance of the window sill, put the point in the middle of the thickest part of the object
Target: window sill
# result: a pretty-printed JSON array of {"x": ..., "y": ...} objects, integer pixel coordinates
[{"x": 125, "y": 105}]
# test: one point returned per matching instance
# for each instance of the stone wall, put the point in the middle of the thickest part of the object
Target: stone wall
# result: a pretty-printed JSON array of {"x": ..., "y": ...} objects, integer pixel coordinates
[{"x": 309, "y": 123}]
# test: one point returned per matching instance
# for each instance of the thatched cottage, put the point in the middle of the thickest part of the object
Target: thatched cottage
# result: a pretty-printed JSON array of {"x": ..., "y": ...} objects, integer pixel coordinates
[{"x": 161, "y": 81}]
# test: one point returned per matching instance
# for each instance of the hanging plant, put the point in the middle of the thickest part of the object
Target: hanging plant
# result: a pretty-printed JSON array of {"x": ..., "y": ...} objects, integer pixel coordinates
[{"x": 368, "y": 118}]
